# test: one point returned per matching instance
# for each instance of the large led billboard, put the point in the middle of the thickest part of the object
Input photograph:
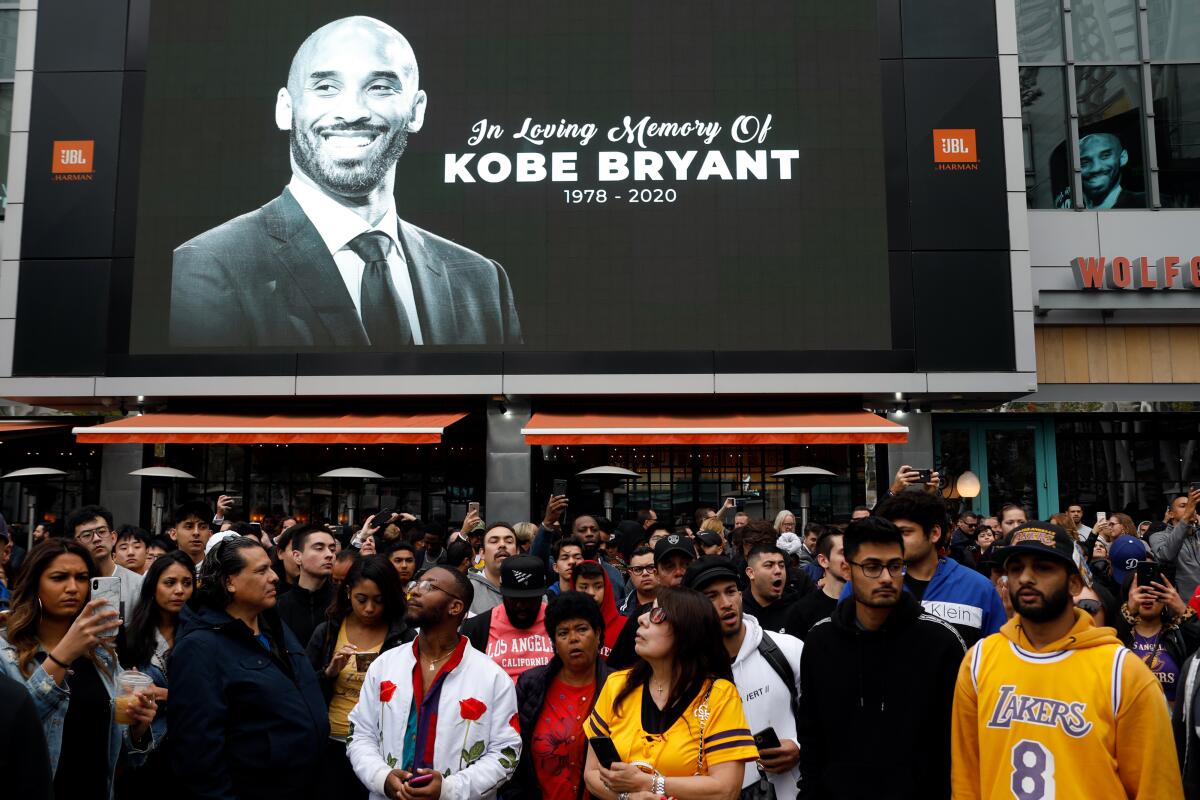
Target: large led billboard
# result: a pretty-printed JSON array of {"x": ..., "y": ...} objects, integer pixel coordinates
[{"x": 322, "y": 175}]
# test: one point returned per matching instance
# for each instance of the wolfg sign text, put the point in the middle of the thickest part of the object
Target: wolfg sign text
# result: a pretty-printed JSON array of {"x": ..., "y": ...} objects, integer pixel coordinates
[
  {"x": 1168, "y": 272},
  {"x": 681, "y": 164}
]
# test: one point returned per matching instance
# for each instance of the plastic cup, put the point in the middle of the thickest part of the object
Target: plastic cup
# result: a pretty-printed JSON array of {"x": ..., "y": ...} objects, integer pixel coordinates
[{"x": 128, "y": 686}]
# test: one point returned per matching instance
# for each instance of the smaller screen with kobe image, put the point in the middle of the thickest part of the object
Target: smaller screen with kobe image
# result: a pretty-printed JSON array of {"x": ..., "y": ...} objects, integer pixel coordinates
[{"x": 384, "y": 175}]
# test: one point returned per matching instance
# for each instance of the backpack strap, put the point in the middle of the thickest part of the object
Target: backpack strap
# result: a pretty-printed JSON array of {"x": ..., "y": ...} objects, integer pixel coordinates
[{"x": 774, "y": 656}]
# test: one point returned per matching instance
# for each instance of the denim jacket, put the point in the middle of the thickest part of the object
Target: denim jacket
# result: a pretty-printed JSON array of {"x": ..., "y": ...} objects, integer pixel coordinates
[{"x": 51, "y": 701}]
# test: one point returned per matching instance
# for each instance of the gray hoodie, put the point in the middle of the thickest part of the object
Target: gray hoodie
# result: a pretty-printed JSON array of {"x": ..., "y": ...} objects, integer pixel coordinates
[
  {"x": 487, "y": 594},
  {"x": 1180, "y": 546}
]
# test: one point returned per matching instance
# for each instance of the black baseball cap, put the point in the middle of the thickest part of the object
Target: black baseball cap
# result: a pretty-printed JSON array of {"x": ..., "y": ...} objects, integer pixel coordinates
[
  {"x": 705, "y": 570},
  {"x": 522, "y": 576},
  {"x": 708, "y": 538},
  {"x": 673, "y": 543},
  {"x": 1042, "y": 538}
]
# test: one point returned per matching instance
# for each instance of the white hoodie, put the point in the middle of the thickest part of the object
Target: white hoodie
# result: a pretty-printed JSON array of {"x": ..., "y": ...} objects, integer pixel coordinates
[{"x": 765, "y": 699}]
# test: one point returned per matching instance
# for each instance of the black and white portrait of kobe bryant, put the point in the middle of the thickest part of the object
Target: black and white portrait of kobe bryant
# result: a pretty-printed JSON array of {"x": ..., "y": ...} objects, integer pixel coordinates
[{"x": 328, "y": 263}]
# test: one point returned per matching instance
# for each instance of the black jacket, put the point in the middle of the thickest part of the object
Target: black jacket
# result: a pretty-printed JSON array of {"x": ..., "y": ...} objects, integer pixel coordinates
[
  {"x": 531, "y": 696},
  {"x": 324, "y": 640},
  {"x": 277, "y": 286},
  {"x": 477, "y": 629},
  {"x": 246, "y": 721},
  {"x": 879, "y": 698},
  {"x": 303, "y": 610},
  {"x": 24, "y": 759},
  {"x": 1179, "y": 641},
  {"x": 808, "y": 611},
  {"x": 774, "y": 617}
]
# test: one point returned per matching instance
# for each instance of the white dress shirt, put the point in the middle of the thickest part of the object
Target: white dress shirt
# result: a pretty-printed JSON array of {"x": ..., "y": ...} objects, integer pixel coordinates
[{"x": 338, "y": 226}]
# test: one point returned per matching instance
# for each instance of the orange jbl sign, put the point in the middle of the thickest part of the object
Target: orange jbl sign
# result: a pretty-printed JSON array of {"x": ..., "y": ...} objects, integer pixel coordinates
[
  {"x": 954, "y": 145},
  {"x": 73, "y": 156}
]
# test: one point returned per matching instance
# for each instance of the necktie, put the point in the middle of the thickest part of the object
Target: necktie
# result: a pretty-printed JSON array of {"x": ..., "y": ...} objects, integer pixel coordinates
[{"x": 382, "y": 314}]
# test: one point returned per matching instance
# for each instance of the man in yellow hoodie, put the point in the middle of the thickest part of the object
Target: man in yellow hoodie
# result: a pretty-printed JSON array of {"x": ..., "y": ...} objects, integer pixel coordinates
[{"x": 1052, "y": 706}]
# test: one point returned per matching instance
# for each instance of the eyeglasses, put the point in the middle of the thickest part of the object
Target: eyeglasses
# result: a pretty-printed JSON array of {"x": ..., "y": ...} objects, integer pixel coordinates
[
  {"x": 658, "y": 615},
  {"x": 421, "y": 587},
  {"x": 646, "y": 570},
  {"x": 94, "y": 533},
  {"x": 873, "y": 569}
]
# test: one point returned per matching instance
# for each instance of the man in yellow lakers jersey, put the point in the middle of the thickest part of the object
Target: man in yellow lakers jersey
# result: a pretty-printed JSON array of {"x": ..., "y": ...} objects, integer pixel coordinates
[{"x": 1052, "y": 706}]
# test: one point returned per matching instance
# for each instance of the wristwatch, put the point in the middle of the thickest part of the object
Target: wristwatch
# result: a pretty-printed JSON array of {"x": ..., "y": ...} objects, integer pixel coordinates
[
  {"x": 659, "y": 784},
  {"x": 623, "y": 796}
]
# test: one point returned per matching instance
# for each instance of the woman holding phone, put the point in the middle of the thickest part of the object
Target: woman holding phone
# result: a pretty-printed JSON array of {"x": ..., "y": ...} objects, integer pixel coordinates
[
  {"x": 59, "y": 645},
  {"x": 1158, "y": 626},
  {"x": 673, "y": 725},
  {"x": 366, "y": 619},
  {"x": 145, "y": 645}
]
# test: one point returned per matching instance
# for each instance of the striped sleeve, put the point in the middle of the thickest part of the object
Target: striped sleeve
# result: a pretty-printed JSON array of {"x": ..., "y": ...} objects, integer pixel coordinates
[
  {"x": 598, "y": 721},
  {"x": 727, "y": 735}
]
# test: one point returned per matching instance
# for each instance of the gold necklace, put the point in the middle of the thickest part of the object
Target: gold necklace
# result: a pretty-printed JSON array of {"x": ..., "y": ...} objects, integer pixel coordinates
[{"x": 434, "y": 662}]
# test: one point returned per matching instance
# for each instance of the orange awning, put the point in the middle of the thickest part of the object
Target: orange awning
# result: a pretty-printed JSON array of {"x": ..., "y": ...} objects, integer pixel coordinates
[
  {"x": 28, "y": 427},
  {"x": 170, "y": 428},
  {"x": 832, "y": 427}
]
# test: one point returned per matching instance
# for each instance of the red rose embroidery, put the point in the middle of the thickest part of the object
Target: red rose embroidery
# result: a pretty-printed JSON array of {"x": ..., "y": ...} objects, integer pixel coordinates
[
  {"x": 386, "y": 690},
  {"x": 471, "y": 709},
  {"x": 516, "y": 723}
]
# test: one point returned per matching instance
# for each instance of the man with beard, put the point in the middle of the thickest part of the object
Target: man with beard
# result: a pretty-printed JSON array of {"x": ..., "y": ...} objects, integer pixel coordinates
[
  {"x": 437, "y": 708},
  {"x": 513, "y": 634},
  {"x": 1052, "y": 700},
  {"x": 586, "y": 527},
  {"x": 879, "y": 673},
  {"x": 766, "y": 669},
  {"x": 329, "y": 262},
  {"x": 499, "y": 543}
]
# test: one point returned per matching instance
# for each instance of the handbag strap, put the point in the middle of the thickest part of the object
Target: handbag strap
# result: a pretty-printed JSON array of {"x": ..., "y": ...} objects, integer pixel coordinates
[{"x": 702, "y": 713}]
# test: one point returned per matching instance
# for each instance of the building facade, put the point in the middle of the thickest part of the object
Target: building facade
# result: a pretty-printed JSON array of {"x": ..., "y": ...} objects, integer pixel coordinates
[{"x": 900, "y": 235}]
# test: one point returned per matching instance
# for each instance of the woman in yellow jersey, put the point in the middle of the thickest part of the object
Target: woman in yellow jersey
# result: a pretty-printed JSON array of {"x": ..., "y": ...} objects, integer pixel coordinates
[
  {"x": 675, "y": 719},
  {"x": 366, "y": 618}
]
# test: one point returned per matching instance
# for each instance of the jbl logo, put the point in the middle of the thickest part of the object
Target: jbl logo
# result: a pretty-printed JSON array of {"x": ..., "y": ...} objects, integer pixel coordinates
[
  {"x": 73, "y": 156},
  {"x": 954, "y": 145}
]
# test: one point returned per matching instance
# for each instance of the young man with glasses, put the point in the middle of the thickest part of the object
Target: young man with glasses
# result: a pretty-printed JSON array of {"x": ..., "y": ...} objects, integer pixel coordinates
[
  {"x": 946, "y": 588},
  {"x": 879, "y": 673},
  {"x": 92, "y": 527},
  {"x": 644, "y": 577},
  {"x": 437, "y": 718}
]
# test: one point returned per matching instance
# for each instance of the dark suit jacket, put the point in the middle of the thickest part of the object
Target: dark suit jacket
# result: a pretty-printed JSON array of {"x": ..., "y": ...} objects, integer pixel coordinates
[{"x": 266, "y": 279}]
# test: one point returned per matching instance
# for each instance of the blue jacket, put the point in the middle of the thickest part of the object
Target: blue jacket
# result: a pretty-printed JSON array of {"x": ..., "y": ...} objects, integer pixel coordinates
[
  {"x": 246, "y": 721},
  {"x": 962, "y": 597},
  {"x": 52, "y": 700}
]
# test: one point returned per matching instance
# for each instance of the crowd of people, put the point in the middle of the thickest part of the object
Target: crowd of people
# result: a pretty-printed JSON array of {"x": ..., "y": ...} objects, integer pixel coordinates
[{"x": 902, "y": 655}]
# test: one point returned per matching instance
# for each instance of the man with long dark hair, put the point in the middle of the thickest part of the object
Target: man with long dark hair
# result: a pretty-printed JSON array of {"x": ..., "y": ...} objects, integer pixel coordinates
[
  {"x": 879, "y": 673},
  {"x": 246, "y": 714}
]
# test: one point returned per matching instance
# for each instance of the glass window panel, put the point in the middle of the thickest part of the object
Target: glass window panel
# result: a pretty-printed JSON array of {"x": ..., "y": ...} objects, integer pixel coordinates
[
  {"x": 6, "y": 102},
  {"x": 1111, "y": 153},
  {"x": 1174, "y": 29},
  {"x": 8, "y": 43},
  {"x": 1177, "y": 133},
  {"x": 1044, "y": 122},
  {"x": 1104, "y": 31},
  {"x": 1039, "y": 30}
]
